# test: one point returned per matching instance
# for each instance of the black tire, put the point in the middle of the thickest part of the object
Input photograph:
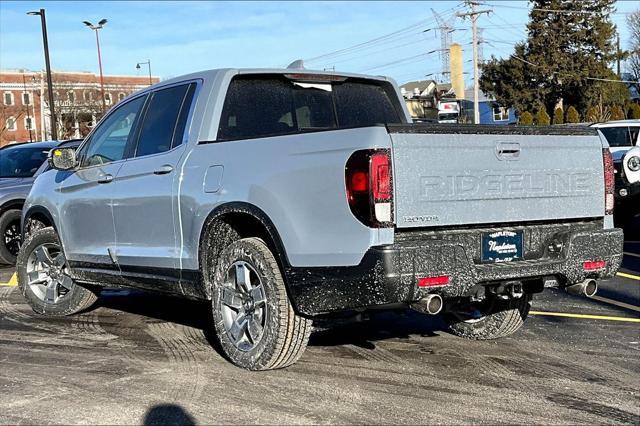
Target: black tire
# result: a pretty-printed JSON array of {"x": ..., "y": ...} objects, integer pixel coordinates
[
  {"x": 75, "y": 299},
  {"x": 284, "y": 334},
  {"x": 9, "y": 227},
  {"x": 500, "y": 319}
]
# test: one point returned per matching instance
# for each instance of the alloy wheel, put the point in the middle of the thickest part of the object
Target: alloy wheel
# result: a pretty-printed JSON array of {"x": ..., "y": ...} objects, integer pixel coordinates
[
  {"x": 12, "y": 237},
  {"x": 47, "y": 273},
  {"x": 243, "y": 304}
]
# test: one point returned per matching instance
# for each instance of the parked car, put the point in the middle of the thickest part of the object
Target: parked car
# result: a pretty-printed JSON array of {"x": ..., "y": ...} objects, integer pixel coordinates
[
  {"x": 284, "y": 195},
  {"x": 623, "y": 136},
  {"x": 20, "y": 164}
]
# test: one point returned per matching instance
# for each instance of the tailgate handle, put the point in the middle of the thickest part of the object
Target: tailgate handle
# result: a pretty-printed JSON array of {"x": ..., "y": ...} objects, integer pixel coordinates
[{"x": 508, "y": 151}]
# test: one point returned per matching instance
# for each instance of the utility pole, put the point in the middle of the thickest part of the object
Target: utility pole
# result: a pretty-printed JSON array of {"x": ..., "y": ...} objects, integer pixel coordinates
[
  {"x": 474, "y": 29},
  {"x": 618, "y": 55},
  {"x": 45, "y": 41}
]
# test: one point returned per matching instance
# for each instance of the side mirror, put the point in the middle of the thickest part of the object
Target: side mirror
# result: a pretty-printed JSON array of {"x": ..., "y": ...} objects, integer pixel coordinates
[{"x": 62, "y": 158}]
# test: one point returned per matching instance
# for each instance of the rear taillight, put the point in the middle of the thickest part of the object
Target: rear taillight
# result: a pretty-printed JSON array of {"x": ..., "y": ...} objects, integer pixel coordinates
[
  {"x": 594, "y": 265},
  {"x": 369, "y": 184},
  {"x": 438, "y": 281},
  {"x": 609, "y": 182}
]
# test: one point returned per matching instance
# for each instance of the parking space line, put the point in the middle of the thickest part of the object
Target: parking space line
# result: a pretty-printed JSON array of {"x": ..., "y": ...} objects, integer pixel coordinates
[
  {"x": 630, "y": 276},
  {"x": 13, "y": 281},
  {"x": 617, "y": 303},
  {"x": 626, "y": 253},
  {"x": 584, "y": 316}
]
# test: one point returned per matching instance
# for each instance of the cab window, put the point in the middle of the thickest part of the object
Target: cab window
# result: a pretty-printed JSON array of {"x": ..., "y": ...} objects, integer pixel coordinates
[{"x": 108, "y": 142}]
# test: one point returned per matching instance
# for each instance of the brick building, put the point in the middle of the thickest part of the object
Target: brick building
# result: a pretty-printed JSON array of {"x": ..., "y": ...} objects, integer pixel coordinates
[{"x": 24, "y": 105}]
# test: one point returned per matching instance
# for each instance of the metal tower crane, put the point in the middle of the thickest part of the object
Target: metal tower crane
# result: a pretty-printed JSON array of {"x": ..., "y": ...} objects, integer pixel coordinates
[{"x": 445, "y": 27}]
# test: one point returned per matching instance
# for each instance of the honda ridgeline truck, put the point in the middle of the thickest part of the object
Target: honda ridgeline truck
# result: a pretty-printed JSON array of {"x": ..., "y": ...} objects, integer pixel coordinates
[{"x": 284, "y": 195}]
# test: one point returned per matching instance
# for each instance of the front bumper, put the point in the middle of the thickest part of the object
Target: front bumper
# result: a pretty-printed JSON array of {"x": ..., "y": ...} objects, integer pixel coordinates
[{"x": 388, "y": 275}]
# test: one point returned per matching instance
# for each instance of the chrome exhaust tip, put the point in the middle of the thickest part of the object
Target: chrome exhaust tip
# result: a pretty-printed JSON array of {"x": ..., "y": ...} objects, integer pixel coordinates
[
  {"x": 431, "y": 304},
  {"x": 588, "y": 287}
]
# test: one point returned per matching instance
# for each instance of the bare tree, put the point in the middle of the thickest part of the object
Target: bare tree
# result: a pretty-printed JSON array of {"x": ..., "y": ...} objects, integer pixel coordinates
[
  {"x": 6, "y": 112},
  {"x": 633, "y": 61}
]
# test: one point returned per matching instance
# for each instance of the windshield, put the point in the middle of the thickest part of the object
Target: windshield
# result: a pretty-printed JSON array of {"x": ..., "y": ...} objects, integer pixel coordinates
[
  {"x": 449, "y": 116},
  {"x": 620, "y": 136},
  {"x": 20, "y": 162}
]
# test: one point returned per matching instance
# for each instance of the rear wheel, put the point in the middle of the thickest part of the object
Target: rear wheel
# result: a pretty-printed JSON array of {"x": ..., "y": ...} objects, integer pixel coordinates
[
  {"x": 10, "y": 237},
  {"x": 491, "y": 319},
  {"x": 254, "y": 320},
  {"x": 43, "y": 277}
]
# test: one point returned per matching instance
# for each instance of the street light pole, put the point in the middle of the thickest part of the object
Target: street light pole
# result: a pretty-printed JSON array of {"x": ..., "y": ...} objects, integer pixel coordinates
[
  {"x": 24, "y": 85},
  {"x": 148, "y": 63},
  {"x": 96, "y": 28},
  {"x": 43, "y": 21}
]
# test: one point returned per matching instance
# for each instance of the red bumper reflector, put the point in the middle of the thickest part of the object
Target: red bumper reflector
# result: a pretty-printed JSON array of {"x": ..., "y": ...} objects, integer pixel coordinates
[
  {"x": 433, "y": 281},
  {"x": 594, "y": 265}
]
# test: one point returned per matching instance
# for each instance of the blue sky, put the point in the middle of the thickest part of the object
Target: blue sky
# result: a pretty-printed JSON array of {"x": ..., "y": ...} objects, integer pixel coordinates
[{"x": 182, "y": 37}]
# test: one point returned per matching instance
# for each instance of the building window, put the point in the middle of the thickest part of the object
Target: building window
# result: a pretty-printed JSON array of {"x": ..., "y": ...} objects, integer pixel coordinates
[
  {"x": 8, "y": 98},
  {"x": 11, "y": 124},
  {"x": 29, "y": 124},
  {"x": 71, "y": 96},
  {"x": 121, "y": 96},
  {"x": 500, "y": 114},
  {"x": 107, "y": 98},
  {"x": 26, "y": 99},
  {"x": 56, "y": 95},
  {"x": 87, "y": 95}
]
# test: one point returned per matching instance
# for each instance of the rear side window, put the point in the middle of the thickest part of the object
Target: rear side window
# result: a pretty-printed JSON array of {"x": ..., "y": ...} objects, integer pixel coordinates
[
  {"x": 618, "y": 136},
  {"x": 165, "y": 120},
  {"x": 360, "y": 104},
  {"x": 260, "y": 106}
]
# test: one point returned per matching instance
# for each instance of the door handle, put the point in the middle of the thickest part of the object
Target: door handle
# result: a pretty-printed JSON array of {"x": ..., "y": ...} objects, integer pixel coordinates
[
  {"x": 107, "y": 178},
  {"x": 163, "y": 170}
]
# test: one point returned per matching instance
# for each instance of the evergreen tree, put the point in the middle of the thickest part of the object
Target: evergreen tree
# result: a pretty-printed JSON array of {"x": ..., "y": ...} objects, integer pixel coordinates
[
  {"x": 558, "y": 116},
  {"x": 572, "y": 115},
  {"x": 526, "y": 119},
  {"x": 541, "y": 118},
  {"x": 562, "y": 54}
]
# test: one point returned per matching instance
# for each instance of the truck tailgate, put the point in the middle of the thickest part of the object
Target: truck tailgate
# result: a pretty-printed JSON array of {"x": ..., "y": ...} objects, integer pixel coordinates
[{"x": 453, "y": 175}]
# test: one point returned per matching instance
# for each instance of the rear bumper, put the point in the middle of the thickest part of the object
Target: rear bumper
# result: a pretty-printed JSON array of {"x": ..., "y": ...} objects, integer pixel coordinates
[{"x": 388, "y": 274}]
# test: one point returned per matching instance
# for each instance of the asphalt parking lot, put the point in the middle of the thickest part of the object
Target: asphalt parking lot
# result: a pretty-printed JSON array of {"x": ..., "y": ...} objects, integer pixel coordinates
[{"x": 141, "y": 358}]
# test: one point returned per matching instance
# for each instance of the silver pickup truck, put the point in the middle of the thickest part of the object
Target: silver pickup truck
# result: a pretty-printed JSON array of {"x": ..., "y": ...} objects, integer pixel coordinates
[{"x": 283, "y": 195}]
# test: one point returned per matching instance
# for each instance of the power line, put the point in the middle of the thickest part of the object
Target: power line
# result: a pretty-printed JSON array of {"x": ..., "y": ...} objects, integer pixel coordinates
[
  {"x": 379, "y": 39},
  {"x": 559, "y": 11},
  {"x": 396, "y": 62},
  {"x": 377, "y": 52}
]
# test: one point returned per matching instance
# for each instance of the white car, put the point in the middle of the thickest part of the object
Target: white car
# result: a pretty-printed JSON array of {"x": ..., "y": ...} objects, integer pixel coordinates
[{"x": 623, "y": 136}]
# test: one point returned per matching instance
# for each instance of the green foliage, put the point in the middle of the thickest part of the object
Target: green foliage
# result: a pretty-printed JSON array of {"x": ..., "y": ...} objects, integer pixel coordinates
[
  {"x": 572, "y": 115},
  {"x": 617, "y": 113},
  {"x": 633, "y": 111},
  {"x": 526, "y": 119},
  {"x": 542, "y": 118},
  {"x": 598, "y": 113},
  {"x": 558, "y": 116},
  {"x": 561, "y": 55}
]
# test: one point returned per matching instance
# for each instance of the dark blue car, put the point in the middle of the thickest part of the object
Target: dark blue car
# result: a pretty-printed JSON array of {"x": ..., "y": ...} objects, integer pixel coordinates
[{"x": 20, "y": 164}]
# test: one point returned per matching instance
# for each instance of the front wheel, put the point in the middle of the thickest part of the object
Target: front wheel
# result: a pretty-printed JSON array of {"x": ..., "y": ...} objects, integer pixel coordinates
[
  {"x": 254, "y": 320},
  {"x": 491, "y": 319},
  {"x": 43, "y": 277},
  {"x": 9, "y": 236}
]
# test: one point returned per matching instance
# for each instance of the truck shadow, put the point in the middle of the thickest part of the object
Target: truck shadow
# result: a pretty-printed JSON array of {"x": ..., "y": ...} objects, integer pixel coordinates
[{"x": 355, "y": 330}]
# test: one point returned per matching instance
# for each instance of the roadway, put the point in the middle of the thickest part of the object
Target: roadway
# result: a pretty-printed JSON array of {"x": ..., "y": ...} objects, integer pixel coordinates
[{"x": 141, "y": 358}]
